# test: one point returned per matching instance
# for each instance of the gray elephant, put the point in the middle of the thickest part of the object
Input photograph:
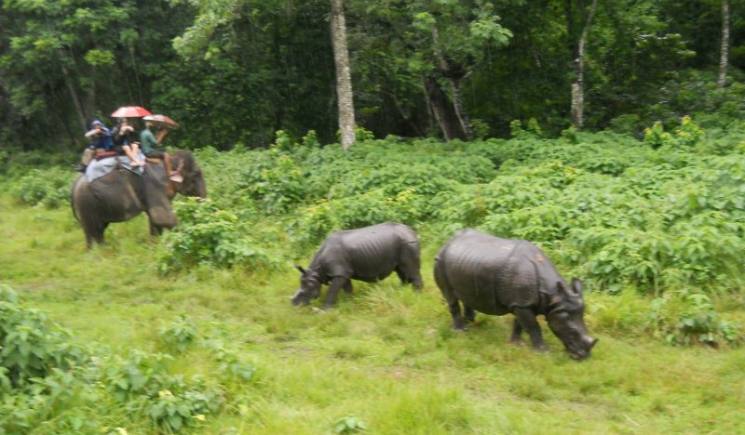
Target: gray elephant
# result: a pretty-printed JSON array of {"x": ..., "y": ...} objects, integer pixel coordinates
[
  {"x": 366, "y": 254},
  {"x": 499, "y": 276},
  {"x": 121, "y": 195}
]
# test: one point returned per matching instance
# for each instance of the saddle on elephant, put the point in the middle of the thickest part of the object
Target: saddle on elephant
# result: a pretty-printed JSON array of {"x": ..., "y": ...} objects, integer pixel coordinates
[{"x": 105, "y": 162}]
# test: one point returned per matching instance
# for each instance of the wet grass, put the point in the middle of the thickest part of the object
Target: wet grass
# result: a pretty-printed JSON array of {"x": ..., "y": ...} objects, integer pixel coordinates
[{"x": 385, "y": 355}]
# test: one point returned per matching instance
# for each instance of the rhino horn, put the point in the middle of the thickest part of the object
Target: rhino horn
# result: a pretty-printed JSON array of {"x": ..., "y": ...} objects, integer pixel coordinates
[{"x": 300, "y": 268}]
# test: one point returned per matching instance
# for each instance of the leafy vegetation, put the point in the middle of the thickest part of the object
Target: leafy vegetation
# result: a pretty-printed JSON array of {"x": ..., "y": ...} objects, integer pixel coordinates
[
  {"x": 47, "y": 187},
  {"x": 193, "y": 332}
]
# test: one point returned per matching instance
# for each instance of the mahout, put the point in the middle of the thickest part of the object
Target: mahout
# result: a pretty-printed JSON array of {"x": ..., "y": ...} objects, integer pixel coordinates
[
  {"x": 499, "y": 276},
  {"x": 366, "y": 254},
  {"x": 122, "y": 194}
]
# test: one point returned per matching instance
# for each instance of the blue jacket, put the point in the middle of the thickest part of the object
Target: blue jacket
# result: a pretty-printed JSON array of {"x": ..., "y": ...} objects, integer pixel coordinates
[{"x": 104, "y": 140}]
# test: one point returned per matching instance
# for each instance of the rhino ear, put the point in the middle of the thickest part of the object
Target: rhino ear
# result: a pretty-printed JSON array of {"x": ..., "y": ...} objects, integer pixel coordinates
[
  {"x": 577, "y": 286},
  {"x": 561, "y": 288},
  {"x": 300, "y": 268}
]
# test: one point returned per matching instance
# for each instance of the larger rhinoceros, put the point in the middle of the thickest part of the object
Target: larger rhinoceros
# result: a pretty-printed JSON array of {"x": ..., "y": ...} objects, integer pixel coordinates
[
  {"x": 366, "y": 254},
  {"x": 499, "y": 276}
]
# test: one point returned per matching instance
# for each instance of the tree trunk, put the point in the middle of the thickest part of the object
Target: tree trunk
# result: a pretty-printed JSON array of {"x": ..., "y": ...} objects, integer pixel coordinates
[
  {"x": 454, "y": 75},
  {"x": 578, "y": 86},
  {"x": 73, "y": 94},
  {"x": 442, "y": 110},
  {"x": 344, "y": 95},
  {"x": 724, "y": 51},
  {"x": 460, "y": 112}
]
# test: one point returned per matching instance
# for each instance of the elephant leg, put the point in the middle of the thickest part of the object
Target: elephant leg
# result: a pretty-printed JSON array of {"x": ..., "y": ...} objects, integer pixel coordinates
[
  {"x": 155, "y": 230},
  {"x": 469, "y": 313},
  {"x": 94, "y": 233}
]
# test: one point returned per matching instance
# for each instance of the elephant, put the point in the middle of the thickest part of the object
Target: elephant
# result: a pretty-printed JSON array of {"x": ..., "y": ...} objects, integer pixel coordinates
[{"x": 122, "y": 194}]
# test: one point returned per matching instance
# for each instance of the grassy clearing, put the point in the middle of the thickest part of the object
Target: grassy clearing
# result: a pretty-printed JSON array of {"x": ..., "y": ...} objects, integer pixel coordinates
[{"x": 385, "y": 355}]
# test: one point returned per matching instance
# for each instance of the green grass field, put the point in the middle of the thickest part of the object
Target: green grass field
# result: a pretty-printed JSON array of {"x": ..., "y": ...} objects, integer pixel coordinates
[{"x": 385, "y": 356}]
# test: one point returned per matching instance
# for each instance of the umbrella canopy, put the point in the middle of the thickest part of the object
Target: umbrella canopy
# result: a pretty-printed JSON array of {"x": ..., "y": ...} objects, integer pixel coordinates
[
  {"x": 164, "y": 120},
  {"x": 130, "y": 112}
]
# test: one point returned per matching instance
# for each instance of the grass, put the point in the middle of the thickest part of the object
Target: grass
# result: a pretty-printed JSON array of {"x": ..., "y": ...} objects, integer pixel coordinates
[{"x": 385, "y": 355}]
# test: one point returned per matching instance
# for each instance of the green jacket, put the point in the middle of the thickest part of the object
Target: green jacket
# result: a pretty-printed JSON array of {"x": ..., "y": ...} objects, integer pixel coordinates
[{"x": 147, "y": 141}]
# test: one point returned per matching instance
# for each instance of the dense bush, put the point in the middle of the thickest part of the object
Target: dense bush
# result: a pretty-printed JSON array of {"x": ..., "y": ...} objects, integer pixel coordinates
[
  {"x": 29, "y": 347},
  {"x": 49, "y": 187},
  {"x": 209, "y": 235},
  {"x": 44, "y": 378},
  {"x": 683, "y": 318},
  {"x": 617, "y": 211}
]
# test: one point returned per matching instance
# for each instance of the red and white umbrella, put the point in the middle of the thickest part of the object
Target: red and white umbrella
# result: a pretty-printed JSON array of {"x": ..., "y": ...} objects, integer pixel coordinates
[{"x": 130, "y": 112}]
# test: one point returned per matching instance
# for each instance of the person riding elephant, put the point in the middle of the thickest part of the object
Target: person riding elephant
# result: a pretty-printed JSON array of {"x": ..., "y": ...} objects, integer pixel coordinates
[
  {"x": 126, "y": 139},
  {"x": 150, "y": 146},
  {"x": 122, "y": 194},
  {"x": 100, "y": 140}
]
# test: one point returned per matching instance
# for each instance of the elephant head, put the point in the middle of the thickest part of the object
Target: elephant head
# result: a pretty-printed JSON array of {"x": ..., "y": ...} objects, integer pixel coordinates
[{"x": 193, "y": 184}]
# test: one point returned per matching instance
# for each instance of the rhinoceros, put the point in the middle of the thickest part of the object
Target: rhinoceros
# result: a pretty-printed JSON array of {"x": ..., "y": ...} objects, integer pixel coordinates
[
  {"x": 499, "y": 276},
  {"x": 366, "y": 254}
]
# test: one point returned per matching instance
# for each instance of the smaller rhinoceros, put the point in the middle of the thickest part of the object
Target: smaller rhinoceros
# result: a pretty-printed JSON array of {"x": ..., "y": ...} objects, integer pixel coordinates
[
  {"x": 366, "y": 254},
  {"x": 500, "y": 276}
]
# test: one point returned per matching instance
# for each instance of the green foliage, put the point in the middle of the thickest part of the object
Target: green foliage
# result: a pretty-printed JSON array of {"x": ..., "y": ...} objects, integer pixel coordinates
[
  {"x": 656, "y": 136},
  {"x": 347, "y": 425},
  {"x": 230, "y": 363},
  {"x": 49, "y": 187},
  {"x": 618, "y": 212},
  {"x": 687, "y": 134},
  {"x": 179, "y": 334},
  {"x": 143, "y": 385},
  {"x": 30, "y": 348},
  {"x": 684, "y": 318},
  {"x": 209, "y": 235},
  {"x": 44, "y": 378}
]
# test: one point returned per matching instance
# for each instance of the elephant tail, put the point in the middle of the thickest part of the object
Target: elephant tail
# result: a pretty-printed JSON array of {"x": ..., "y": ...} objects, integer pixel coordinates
[{"x": 75, "y": 187}]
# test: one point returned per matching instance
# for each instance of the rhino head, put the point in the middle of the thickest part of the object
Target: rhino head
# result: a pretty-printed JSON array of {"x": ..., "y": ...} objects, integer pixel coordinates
[
  {"x": 566, "y": 320},
  {"x": 310, "y": 287}
]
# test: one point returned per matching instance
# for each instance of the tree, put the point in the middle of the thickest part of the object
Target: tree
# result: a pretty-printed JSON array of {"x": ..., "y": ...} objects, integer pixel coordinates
[
  {"x": 441, "y": 43},
  {"x": 578, "y": 62},
  {"x": 344, "y": 95},
  {"x": 724, "y": 50}
]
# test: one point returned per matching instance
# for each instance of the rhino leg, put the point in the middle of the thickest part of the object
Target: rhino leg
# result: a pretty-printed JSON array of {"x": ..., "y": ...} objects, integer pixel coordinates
[
  {"x": 470, "y": 313},
  {"x": 517, "y": 331},
  {"x": 336, "y": 284},
  {"x": 459, "y": 322},
  {"x": 408, "y": 270},
  {"x": 348, "y": 286},
  {"x": 527, "y": 320}
]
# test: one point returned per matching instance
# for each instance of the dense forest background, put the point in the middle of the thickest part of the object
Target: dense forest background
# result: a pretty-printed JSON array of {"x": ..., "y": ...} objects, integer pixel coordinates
[{"x": 236, "y": 71}]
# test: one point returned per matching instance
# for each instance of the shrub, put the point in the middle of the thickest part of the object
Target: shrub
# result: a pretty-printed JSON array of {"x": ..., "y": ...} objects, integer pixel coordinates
[
  {"x": 179, "y": 334},
  {"x": 46, "y": 380},
  {"x": 144, "y": 386},
  {"x": 48, "y": 187},
  {"x": 684, "y": 318},
  {"x": 30, "y": 348},
  {"x": 209, "y": 235},
  {"x": 347, "y": 425}
]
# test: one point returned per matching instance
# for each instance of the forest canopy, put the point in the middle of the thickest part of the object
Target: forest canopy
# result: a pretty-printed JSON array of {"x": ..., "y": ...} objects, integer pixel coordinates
[{"x": 236, "y": 71}]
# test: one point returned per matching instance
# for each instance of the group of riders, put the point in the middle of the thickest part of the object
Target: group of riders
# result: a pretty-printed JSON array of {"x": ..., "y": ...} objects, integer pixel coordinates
[{"x": 124, "y": 140}]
